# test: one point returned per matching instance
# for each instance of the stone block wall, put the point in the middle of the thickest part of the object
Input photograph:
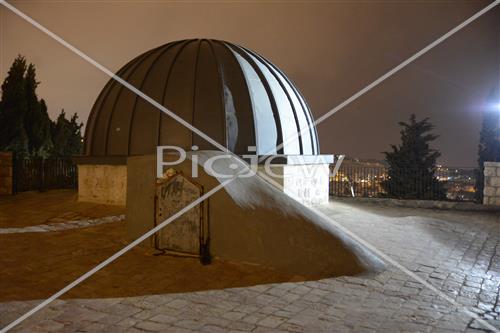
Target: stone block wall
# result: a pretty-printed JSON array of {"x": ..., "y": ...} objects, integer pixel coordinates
[
  {"x": 105, "y": 184},
  {"x": 5, "y": 173},
  {"x": 491, "y": 183}
]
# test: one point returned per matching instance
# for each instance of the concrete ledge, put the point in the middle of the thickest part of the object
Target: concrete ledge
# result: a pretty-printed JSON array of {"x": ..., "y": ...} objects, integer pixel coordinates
[
  {"x": 296, "y": 159},
  {"x": 492, "y": 164},
  {"x": 427, "y": 204},
  {"x": 100, "y": 160}
]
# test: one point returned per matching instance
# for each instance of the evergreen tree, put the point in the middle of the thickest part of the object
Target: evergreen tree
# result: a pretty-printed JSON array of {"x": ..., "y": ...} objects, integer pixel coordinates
[
  {"x": 36, "y": 120},
  {"x": 412, "y": 164},
  {"x": 66, "y": 136},
  {"x": 13, "y": 108},
  {"x": 45, "y": 131},
  {"x": 24, "y": 121},
  {"x": 75, "y": 142},
  {"x": 489, "y": 139},
  {"x": 25, "y": 126}
]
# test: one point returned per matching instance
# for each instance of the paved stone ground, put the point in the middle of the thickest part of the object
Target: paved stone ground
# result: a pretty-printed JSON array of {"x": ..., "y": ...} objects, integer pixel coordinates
[{"x": 457, "y": 252}]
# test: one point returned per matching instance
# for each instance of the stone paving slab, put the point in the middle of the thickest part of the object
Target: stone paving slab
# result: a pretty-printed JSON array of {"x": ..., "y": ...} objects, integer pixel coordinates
[{"x": 456, "y": 252}]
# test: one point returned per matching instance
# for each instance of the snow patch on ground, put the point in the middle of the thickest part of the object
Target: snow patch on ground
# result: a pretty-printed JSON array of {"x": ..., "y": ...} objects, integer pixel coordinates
[{"x": 64, "y": 225}]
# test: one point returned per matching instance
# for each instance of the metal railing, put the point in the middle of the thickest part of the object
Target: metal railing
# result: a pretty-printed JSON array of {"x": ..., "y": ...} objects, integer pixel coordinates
[
  {"x": 44, "y": 174},
  {"x": 366, "y": 180}
]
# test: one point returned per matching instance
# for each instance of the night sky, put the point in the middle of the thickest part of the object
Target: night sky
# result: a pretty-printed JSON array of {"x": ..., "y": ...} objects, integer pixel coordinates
[{"x": 329, "y": 49}]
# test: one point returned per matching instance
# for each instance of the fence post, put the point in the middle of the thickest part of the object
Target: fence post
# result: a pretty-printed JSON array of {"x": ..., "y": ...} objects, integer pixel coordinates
[
  {"x": 41, "y": 174},
  {"x": 75, "y": 175},
  {"x": 15, "y": 173}
]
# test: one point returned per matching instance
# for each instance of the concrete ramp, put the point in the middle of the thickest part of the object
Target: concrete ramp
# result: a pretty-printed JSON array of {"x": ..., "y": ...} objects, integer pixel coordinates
[{"x": 253, "y": 221}]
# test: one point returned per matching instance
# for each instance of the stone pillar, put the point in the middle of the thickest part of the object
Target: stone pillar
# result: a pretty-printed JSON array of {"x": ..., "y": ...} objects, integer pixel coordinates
[
  {"x": 5, "y": 173},
  {"x": 491, "y": 183}
]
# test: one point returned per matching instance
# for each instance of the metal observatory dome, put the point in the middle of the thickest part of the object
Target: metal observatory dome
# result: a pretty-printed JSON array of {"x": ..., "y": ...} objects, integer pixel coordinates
[{"x": 232, "y": 94}]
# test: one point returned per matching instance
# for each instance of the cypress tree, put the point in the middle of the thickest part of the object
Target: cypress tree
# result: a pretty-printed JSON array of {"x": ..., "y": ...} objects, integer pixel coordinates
[
  {"x": 412, "y": 164},
  {"x": 36, "y": 120},
  {"x": 75, "y": 141},
  {"x": 44, "y": 131},
  {"x": 13, "y": 108},
  {"x": 66, "y": 136}
]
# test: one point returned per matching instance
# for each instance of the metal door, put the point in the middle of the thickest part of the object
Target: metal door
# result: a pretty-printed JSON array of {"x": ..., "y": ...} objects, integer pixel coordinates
[{"x": 186, "y": 233}]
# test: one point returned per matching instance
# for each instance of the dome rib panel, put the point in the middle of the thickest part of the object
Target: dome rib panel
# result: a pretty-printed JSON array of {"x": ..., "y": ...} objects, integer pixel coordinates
[
  {"x": 208, "y": 107},
  {"x": 179, "y": 97},
  {"x": 285, "y": 90},
  {"x": 104, "y": 95},
  {"x": 137, "y": 97},
  {"x": 239, "y": 94},
  {"x": 311, "y": 126},
  {"x": 89, "y": 129},
  {"x": 195, "y": 82},
  {"x": 220, "y": 79},
  {"x": 165, "y": 48},
  {"x": 162, "y": 116},
  {"x": 272, "y": 100},
  {"x": 111, "y": 98},
  {"x": 291, "y": 142}
]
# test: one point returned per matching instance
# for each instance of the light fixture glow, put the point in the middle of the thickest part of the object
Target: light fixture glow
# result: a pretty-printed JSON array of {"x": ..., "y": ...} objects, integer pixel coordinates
[{"x": 493, "y": 107}]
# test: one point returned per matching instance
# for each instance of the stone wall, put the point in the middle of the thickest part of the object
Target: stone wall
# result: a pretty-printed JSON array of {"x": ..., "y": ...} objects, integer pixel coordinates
[
  {"x": 5, "y": 173},
  {"x": 424, "y": 204},
  {"x": 106, "y": 184},
  {"x": 308, "y": 184},
  {"x": 491, "y": 183}
]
